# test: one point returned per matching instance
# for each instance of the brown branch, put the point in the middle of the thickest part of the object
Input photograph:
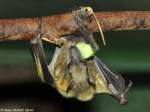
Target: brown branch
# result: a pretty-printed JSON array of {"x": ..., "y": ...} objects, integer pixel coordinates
[{"x": 53, "y": 27}]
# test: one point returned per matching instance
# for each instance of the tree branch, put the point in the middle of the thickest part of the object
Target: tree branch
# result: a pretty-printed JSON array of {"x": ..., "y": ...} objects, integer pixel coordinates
[{"x": 53, "y": 27}]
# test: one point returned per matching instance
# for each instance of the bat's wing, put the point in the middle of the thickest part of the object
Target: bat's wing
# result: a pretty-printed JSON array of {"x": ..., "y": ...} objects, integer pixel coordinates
[
  {"x": 40, "y": 60},
  {"x": 116, "y": 83},
  {"x": 54, "y": 59}
]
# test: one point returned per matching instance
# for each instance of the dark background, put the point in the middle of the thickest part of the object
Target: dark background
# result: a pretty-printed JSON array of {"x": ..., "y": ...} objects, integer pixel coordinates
[{"x": 127, "y": 52}]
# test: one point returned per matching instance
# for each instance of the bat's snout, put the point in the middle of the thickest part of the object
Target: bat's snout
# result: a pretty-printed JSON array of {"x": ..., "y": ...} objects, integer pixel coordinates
[{"x": 123, "y": 100}]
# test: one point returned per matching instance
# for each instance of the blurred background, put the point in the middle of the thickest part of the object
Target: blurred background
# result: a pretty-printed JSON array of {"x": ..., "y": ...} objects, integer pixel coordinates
[{"x": 127, "y": 52}]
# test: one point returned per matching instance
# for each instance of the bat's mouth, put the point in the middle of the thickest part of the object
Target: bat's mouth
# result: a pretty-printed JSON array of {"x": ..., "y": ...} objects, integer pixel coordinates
[{"x": 122, "y": 99}]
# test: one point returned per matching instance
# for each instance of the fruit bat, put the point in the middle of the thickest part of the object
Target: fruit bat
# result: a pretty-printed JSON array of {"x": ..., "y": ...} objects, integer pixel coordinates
[
  {"x": 76, "y": 73},
  {"x": 74, "y": 76}
]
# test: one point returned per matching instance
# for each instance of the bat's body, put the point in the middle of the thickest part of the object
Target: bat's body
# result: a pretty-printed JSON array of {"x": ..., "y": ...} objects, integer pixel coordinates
[
  {"x": 71, "y": 73},
  {"x": 84, "y": 78}
]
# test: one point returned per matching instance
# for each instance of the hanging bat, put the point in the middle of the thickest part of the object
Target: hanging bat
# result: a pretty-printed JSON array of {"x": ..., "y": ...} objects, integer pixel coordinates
[{"x": 76, "y": 75}]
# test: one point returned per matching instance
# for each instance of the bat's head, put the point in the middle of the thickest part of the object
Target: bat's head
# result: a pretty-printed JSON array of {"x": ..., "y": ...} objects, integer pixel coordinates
[
  {"x": 84, "y": 16},
  {"x": 123, "y": 96}
]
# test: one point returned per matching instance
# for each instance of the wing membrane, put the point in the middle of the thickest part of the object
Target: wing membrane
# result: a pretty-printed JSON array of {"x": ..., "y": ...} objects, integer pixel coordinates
[
  {"x": 117, "y": 84},
  {"x": 40, "y": 61}
]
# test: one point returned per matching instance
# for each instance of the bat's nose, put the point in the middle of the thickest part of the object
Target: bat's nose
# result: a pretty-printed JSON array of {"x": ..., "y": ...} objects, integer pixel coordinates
[{"x": 123, "y": 101}]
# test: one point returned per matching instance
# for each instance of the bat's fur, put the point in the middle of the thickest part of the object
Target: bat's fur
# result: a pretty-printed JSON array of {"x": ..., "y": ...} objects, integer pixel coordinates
[{"x": 81, "y": 79}]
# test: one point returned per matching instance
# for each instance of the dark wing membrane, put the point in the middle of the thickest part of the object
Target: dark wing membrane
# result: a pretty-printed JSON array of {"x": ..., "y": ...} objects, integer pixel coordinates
[
  {"x": 40, "y": 61},
  {"x": 116, "y": 81}
]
